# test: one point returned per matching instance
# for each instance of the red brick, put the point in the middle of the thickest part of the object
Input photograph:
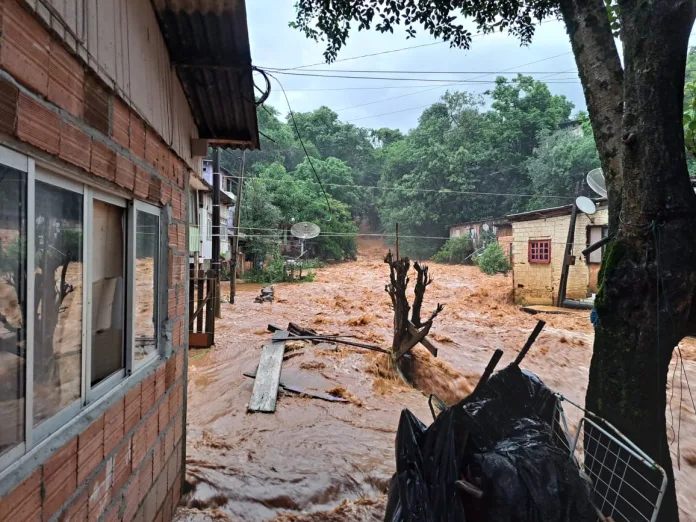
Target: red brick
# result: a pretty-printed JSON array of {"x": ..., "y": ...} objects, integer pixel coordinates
[
  {"x": 163, "y": 415},
  {"x": 158, "y": 459},
  {"x": 132, "y": 409},
  {"x": 137, "y": 136},
  {"x": 121, "y": 123},
  {"x": 169, "y": 442},
  {"x": 160, "y": 387},
  {"x": 145, "y": 478},
  {"x": 97, "y": 104},
  {"x": 152, "y": 430},
  {"x": 173, "y": 403},
  {"x": 25, "y": 47},
  {"x": 161, "y": 513},
  {"x": 165, "y": 161},
  {"x": 75, "y": 145},
  {"x": 142, "y": 182},
  {"x": 65, "y": 80},
  {"x": 180, "y": 301},
  {"x": 103, "y": 162},
  {"x": 37, "y": 124},
  {"x": 77, "y": 510},
  {"x": 8, "y": 106},
  {"x": 152, "y": 147},
  {"x": 23, "y": 502},
  {"x": 161, "y": 489},
  {"x": 114, "y": 419},
  {"x": 148, "y": 395},
  {"x": 99, "y": 495},
  {"x": 139, "y": 446},
  {"x": 171, "y": 302},
  {"x": 90, "y": 449},
  {"x": 150, "y": 505},
  {"x": 125, "y": 172},
  {"x": 113, "y": 514},
  {"x": 169, "y": 372},
  {"x": 179, "y": 364},
  {"x": 166, "y": 194},
  {"x": 178, "y": 428},
  {"x": 173, "y": 468},
  {"x": 59, "y": 478},
  {"x": 121, "y": 463},
  {"x": 155, "y": 188},
  {"x": 171, "y": 235},
  {"x": 132, "y": 500},
  {"x": 176, "y": 491}
]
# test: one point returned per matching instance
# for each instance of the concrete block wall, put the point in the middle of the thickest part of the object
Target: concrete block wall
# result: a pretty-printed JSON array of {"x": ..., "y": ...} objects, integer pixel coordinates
[
  {"x": 537, "y": 283},
  {"x": 122, "y": 459}
]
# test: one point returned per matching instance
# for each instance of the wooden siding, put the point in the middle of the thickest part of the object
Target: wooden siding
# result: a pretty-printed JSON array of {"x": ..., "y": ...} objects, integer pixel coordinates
[{"x": 121, "y": 42}]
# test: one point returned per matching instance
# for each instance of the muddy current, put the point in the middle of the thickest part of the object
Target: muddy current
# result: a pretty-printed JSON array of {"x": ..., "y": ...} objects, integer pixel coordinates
[{"x": 314, "y": 460}]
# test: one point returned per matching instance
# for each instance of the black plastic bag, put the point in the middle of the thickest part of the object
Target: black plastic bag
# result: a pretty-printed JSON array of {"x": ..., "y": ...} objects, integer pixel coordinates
[{"x": 501, "y": 438}]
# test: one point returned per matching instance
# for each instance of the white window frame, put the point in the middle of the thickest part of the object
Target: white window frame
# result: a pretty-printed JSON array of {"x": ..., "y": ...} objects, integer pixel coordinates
[
  {"x": 34, "y": 436},
  {"x": 134, "y": 208}
]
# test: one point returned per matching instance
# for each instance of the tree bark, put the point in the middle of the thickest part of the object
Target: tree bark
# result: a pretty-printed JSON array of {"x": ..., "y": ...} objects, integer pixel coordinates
[
  {"x": 601, "y": 75},
  {"x": 648, "y": 280}
]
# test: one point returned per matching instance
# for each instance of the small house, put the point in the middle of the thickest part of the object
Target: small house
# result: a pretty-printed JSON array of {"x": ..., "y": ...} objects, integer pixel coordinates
[
  {"x": 501, "y": 227},
  {"x": 538, "y": 246}
]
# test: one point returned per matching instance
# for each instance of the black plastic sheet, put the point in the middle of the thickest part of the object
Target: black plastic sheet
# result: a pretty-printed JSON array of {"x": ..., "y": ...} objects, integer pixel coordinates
[{"x": 501, "y": 441}]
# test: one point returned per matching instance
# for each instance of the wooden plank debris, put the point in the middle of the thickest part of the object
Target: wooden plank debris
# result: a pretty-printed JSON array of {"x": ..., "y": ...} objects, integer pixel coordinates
[
  {"x": 302, "y": 391},
  {"x": 265, "y": 392}
]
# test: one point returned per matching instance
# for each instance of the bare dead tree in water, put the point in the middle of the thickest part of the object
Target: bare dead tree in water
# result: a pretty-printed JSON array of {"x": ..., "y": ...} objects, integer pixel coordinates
[{"x": 409, "y": 332}]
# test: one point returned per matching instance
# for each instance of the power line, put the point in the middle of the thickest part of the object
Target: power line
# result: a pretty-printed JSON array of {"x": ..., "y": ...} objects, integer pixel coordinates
[
  {"x": 452, "y": 84},
  {"x": 429, "y": 191},
  {"x": 385, "y": 87},
  {"x": 297, "y": 130},
  {"x": 387, "y": 71},
  {"x": 399, "y": 79}
]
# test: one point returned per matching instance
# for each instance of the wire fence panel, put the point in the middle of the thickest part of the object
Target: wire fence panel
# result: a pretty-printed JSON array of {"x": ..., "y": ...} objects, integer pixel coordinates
[{"x": 626, "y": 484}]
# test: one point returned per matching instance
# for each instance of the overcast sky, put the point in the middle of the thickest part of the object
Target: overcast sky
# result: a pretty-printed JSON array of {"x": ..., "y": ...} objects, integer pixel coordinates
[{"x": 274, "y": 44}]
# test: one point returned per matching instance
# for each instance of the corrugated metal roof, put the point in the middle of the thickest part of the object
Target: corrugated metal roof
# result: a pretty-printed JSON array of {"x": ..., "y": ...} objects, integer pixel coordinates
[{"x": 208, "y": 43}]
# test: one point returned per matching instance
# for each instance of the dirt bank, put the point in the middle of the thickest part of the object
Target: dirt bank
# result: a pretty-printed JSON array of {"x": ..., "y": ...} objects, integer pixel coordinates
[{"x": 313, "y": 460}]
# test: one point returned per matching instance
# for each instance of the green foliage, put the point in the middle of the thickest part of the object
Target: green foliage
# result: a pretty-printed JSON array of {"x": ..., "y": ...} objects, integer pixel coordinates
[
  {"x": 331, "y": 21},
  {"x": 455, "y": 251},
  {"x": 690, "y": 118},
  {"x": 494, "y": 260},
  {"x": 562, "y": 159},
  {"x": 277, "y": 271},
  {"x": 259, "y": 217}
]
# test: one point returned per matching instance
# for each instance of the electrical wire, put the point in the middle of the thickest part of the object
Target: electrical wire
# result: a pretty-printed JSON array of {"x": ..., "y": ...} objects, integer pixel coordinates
[
  {"x": 428, "y": 191},
  {"x": 395, "y": 79},
  {"x": 391, "y": 71},
  {"x": 451, "y": 84},
  {"x": 297, "y": 130}
]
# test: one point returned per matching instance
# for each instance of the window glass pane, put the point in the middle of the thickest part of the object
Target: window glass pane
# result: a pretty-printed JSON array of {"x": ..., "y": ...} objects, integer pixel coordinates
[
  {"x": 58, "y": 300},
  {"x": 146, "y": 262},
  {"x": 108, "y": 304},
  {"x": 13, "y": 308}
]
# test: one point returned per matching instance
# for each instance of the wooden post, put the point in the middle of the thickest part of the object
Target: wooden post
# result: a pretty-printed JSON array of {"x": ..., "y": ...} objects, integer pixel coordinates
[
  {"x": 567, "y": 252},
  {"x": 209, "y": 299},
  {"x": 236, "y": 230},
  {"x": 192, "y": 300}
]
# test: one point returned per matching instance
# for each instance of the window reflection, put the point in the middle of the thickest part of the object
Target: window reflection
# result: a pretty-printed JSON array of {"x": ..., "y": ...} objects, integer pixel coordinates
[
  {"x": 58, "y": 300},
  {"x": 13, "y": 259},
  {"x": 146, "y": 254},
  {"x": 107, "y": 290}
]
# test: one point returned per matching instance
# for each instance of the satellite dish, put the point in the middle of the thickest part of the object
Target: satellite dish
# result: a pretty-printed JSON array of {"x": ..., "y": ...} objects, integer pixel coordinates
[
  {"x": 305, "y": 230},
  {"x": 485, "y": 227},
  {"x": 595, "y": 179},
  {"x": 586, "y": 205}
]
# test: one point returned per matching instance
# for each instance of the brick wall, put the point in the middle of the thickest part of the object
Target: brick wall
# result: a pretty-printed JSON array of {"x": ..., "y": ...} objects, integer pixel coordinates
[
  {"x": 537, "y": 283},
  {"x": 127, "y": 463}
]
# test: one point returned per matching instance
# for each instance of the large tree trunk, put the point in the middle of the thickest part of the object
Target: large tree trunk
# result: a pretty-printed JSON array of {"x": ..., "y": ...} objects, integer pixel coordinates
[{"x": 649, "y": 270}]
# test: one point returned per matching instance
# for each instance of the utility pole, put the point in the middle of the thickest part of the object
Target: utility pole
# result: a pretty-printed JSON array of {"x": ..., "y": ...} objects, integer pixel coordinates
[
  {"x": 235, "y": 238},
  {"x": 568, "y": 258},
  {"x": 215, "y": 262}
]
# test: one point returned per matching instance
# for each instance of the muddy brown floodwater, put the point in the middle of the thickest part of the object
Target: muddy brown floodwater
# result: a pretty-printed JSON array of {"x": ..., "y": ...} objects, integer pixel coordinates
[{"x": 319, "y": 461}]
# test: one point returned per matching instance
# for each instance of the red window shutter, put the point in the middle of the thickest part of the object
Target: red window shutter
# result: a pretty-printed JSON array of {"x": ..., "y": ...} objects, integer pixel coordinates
[{"x": 539, "y": 251}]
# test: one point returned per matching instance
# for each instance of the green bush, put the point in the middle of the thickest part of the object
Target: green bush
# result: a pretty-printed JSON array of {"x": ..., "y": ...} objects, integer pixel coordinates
[
  {"x": 277, "y": 272},
  {"x": 455, "y": 251},
  {"x": 494, "y": 260}
]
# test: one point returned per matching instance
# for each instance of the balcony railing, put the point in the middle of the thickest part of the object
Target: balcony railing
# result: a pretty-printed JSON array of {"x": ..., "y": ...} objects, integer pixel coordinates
[{"x": 194, "y": 239}]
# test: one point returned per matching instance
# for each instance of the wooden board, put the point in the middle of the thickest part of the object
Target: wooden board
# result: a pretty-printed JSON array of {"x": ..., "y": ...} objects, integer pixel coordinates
[
  {"x": 544, "y": 309},
  {"x": 302, "y": 391},
  {"x": 265, "y": 392}
]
